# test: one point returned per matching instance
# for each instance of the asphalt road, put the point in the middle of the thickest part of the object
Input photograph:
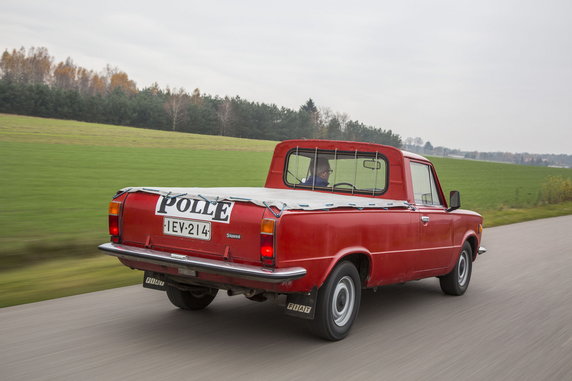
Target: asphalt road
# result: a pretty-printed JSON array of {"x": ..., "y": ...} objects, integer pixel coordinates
[{"x": 514, "y": 323}]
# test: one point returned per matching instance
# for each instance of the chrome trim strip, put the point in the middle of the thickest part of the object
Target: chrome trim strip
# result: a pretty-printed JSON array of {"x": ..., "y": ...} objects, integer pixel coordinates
[
  {"x": 482, "y": 250},
  {"x": 237, "y": 270}
]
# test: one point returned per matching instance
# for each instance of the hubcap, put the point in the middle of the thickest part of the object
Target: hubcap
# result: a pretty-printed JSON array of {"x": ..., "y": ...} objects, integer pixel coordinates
[
  {"x": 463, "y": 268},
  {"x": 343, "y": 301}
]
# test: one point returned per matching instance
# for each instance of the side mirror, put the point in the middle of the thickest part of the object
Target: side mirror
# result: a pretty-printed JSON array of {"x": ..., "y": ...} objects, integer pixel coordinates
[{"x": 455, "y": 201}]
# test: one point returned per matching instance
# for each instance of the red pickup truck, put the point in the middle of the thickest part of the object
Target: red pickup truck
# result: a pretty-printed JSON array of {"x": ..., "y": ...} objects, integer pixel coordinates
[{"x": 332, "y": 219}]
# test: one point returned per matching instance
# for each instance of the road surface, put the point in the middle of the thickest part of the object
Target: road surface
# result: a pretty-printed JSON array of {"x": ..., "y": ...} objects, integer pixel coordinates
[{"x": 514, "y": 323}]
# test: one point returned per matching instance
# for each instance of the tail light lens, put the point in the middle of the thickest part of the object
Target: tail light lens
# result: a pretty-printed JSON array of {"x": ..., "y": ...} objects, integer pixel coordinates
[
  {"x": 114, "y": 209},
  {"x": 267, "y": 255}
]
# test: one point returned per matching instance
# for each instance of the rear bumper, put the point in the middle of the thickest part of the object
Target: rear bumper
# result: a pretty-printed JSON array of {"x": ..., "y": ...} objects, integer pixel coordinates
[{"x": 173, "y": 260}]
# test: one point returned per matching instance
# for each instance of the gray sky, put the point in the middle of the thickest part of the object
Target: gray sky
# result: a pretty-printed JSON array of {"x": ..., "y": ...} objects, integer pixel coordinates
[{"x": 488, "y": 75}]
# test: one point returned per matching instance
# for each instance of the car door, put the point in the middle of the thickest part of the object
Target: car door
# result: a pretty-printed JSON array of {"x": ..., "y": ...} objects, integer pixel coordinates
[{"x": 435, "y": 225}]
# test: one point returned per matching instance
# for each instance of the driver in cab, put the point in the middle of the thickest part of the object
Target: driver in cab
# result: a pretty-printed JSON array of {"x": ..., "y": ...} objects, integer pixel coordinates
[{"x": 320, "y": 178}]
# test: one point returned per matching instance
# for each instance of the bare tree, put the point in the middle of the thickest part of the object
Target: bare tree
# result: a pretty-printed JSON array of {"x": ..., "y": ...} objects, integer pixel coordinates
[
  {"x": 176, "y": 106},
  {"x": 196, "y": 97},
  {"x": 322, "y": 119},
  {"x": 343, "y": 119},
  {"x": 39, "y": 64},
  {"x": 225, "y": 116}
]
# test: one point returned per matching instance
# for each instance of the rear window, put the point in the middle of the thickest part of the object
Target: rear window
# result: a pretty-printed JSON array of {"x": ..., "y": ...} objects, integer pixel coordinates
[{"x": 339, "y": 171}]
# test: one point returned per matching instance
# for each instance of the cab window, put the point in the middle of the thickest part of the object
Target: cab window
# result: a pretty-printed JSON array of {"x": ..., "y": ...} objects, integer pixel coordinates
[
  {"x": 424, "y": 187},
  {"x": 337, "y": 171}
]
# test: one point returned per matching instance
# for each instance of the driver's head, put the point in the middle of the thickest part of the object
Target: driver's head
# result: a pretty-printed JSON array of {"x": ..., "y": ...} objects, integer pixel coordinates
[{"x": 323, "y": 168}]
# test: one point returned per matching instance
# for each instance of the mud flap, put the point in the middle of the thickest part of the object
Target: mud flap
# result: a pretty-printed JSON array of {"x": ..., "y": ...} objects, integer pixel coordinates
[
  {"x": 154, "y": 281},
  {"x": 302, "y": 305}
]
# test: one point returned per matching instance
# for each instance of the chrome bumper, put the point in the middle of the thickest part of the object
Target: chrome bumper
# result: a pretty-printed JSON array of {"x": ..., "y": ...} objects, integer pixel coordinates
[
  {"x": 482, "y": 250},
  {"x": 173, "y": 260}
]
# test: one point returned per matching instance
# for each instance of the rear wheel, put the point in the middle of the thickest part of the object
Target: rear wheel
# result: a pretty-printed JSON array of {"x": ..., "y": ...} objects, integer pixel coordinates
[
  {"x": 338, "y": 302},
  {"x": 457, "y": 281},
  {"x": 191, "y": 300}
]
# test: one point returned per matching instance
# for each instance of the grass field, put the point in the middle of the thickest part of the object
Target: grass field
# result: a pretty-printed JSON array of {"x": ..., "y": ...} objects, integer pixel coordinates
[
  {"x": 55, "y": 189},
  {"x": 58, "y": 177},
  {"x": 487, "y": 186}
]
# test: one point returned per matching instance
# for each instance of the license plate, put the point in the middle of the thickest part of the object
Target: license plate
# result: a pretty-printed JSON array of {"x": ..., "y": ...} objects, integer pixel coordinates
[{"x": 187, "y": 228}]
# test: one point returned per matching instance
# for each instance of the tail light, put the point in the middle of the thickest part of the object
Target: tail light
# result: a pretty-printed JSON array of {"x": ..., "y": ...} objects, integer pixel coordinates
[
  {"x": 267, "y": 255},
  {"x": 114, "y": 209}
]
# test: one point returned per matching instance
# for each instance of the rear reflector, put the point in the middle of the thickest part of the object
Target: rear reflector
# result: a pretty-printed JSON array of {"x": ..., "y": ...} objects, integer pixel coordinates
[
  {"x": 114, "y": 208},
  {"x": 267, "y": 226}
]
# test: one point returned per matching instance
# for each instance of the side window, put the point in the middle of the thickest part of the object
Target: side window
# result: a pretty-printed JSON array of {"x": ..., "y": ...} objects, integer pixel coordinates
[
  {"x": 298, "y": 169},
  {"x": 424, "y": 187}
]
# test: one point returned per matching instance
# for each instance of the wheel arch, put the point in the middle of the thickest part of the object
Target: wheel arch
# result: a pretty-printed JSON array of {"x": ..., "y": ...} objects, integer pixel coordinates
[
  {"x": 474, "y": 242},
  {"x": 361, "y": 259}
]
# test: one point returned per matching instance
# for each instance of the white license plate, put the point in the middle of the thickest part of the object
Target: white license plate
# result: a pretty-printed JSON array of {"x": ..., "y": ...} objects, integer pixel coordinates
[{"x": 187, "y": 228}]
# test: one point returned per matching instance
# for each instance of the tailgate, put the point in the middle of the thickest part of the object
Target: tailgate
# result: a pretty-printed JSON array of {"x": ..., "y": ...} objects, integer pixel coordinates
[{"x": 193, "y": 227}]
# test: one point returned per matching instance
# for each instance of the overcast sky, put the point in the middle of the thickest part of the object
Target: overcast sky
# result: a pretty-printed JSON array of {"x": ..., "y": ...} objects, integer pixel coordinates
[{"x": 487, "y": 75}]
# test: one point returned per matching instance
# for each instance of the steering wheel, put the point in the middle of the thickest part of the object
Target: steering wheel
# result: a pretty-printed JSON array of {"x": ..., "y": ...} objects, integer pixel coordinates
[{"x": 350, "y": 184}]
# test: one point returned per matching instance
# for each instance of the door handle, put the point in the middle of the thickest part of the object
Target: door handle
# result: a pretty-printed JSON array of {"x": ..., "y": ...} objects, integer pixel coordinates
[{"x": 425, "y": 219}]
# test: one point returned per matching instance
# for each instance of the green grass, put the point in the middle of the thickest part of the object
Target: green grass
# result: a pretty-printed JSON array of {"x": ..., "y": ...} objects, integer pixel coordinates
[
  {"x": 27, "y": 129},
  {"x": 507, "y": 216},
  {"x": 59, "y": 193},
  {"x": 56, "y": 195},
  {"x": 64, "y": 277},
  {"x": 487, "y": 186},
  {"x": 58, "y": 177}
]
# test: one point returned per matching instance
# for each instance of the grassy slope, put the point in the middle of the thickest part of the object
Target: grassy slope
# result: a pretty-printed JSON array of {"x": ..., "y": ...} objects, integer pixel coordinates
[
  {"x": 64, "y": 277},
  {"x": 58, "y": 176},
  {"x": 56, "y": 193},
  {"x": 487, "y": 186},
  {"x": 16, "y": 128}
]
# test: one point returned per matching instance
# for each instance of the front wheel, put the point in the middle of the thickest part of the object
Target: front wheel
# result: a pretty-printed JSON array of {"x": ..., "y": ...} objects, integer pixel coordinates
[
  {"x": 457, "y": 281},
  {"x": 191, "y": 300},
  {"x": 338, "y": 302}
]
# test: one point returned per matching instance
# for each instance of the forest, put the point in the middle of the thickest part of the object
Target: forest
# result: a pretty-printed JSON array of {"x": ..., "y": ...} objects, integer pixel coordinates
[{"x": 32, "y": 83}]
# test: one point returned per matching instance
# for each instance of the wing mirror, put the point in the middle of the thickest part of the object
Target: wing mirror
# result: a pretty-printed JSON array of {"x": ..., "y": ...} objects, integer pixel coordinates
[{"x": 454, "y": 201}]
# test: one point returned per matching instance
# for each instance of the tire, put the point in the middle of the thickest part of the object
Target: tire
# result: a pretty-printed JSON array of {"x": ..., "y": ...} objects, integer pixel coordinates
[
  {"x": 338, "y": 302},
  {"x": 457, "y": 281},
  {"x": 191, "y": 300}
]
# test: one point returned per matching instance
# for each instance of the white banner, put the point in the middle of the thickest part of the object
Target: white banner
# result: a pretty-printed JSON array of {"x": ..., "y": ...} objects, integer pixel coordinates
[{"x": 194, "y": 209}]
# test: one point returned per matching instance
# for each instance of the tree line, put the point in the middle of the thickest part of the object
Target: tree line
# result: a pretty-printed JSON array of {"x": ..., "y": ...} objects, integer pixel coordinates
[
  {"x": 31, "y": 83},
  {"x": 523, "y": 158}
]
